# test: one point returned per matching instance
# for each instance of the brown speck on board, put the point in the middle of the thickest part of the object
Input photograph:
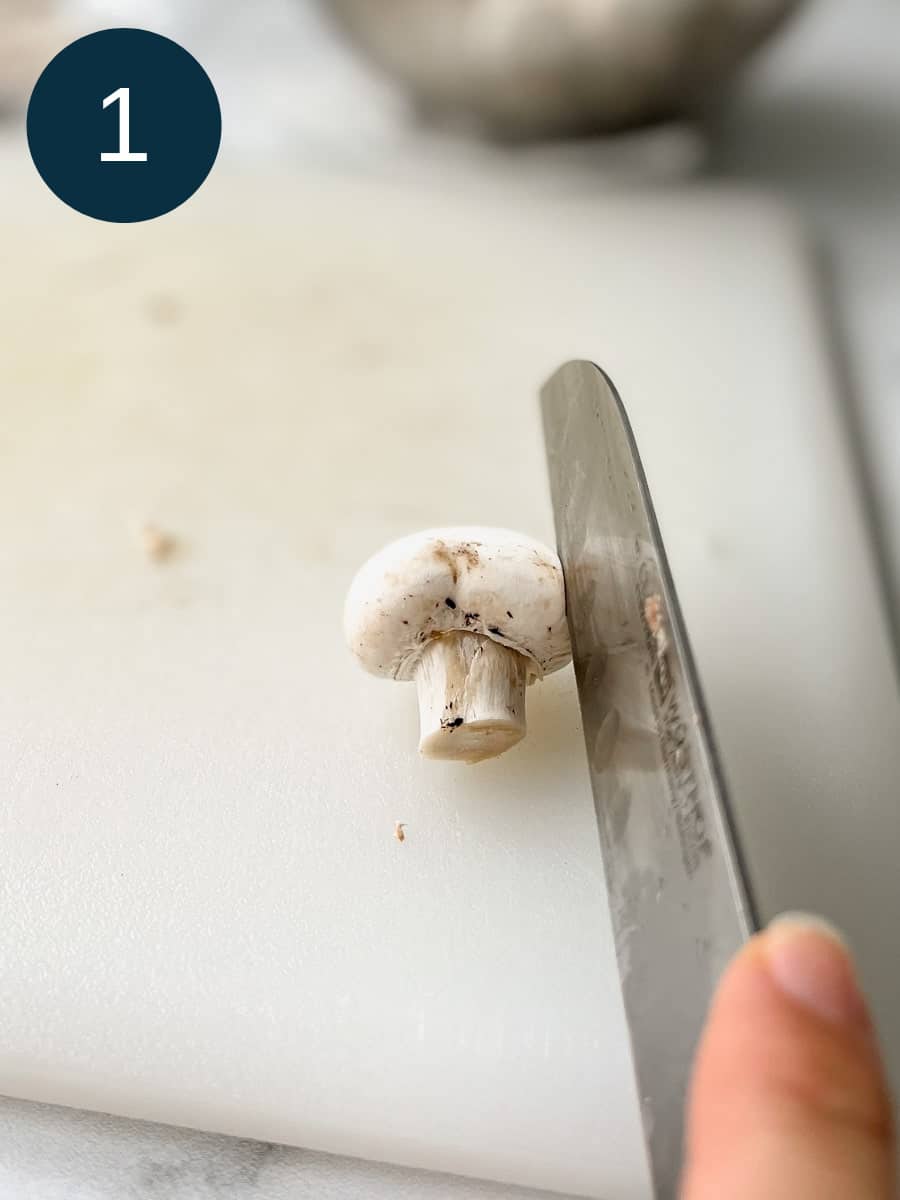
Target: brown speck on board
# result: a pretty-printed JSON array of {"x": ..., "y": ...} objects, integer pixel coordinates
[
  {"x": 399, "y": 827},
  {"x": 163, "y": 309},
  {"x": 157, "y": 545}
]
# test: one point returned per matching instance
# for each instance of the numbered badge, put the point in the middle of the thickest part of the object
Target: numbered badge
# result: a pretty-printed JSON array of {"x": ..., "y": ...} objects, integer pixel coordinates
[{"x": 124, "y": 125}]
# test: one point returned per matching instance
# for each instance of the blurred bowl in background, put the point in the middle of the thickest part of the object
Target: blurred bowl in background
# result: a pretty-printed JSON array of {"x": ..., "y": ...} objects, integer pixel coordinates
[{"x": 533, "y": 68}]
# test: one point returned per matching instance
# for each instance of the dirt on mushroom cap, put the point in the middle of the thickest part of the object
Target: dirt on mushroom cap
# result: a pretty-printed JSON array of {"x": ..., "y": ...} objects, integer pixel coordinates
[{"x": 459, "y": 578}]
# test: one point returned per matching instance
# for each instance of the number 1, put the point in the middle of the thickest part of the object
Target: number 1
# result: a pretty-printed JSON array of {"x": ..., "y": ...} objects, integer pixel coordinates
[{"x": 122, "y": 97}]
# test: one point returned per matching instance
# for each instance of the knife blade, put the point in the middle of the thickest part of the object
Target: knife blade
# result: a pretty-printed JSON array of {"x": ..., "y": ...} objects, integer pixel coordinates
[{"x": 678, "y": 895}]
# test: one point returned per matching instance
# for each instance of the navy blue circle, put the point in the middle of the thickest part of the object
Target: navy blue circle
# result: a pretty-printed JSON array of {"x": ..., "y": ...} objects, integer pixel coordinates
[{"x": 175, "y": 120}]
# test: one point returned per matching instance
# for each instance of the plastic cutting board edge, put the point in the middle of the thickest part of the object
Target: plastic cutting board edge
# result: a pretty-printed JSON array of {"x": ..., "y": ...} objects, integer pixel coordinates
[{"x": 207, "y": 918}]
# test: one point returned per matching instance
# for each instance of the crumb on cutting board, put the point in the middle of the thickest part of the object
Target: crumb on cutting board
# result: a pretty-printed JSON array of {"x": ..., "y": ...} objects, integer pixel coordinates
[
  {"x": 157, "y": 544},
  {"x": 163, "y": 308}
]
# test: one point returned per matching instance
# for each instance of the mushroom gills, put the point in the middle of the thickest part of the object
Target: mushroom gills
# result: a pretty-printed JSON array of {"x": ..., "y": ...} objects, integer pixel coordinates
[{"x": 471, "y": 697}]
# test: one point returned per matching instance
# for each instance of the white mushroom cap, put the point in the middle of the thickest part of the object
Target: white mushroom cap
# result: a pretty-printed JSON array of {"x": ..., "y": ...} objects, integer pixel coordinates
[{"x": 502, "y": 585}]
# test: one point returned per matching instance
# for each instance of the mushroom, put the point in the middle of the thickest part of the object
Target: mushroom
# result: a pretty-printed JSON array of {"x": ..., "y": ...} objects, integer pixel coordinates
[{"x": 472, "y": 615}]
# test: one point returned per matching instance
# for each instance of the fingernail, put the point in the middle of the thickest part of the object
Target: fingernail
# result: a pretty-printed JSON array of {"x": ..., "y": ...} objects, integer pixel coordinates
[{"x": 810, "y": 962}]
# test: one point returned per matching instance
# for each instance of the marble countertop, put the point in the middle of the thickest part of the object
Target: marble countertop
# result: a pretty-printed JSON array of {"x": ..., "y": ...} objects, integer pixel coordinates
[
  {"x": 818, "y": 121},
  {"x": 60, "y": 1154}
]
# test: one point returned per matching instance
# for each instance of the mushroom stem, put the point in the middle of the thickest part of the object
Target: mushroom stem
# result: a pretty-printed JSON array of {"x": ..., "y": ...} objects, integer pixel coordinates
[{"x": 471, "y": 697}]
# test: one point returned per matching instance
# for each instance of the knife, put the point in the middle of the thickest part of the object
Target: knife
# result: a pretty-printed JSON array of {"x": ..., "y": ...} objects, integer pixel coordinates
[{"x": 678, "y": 894}]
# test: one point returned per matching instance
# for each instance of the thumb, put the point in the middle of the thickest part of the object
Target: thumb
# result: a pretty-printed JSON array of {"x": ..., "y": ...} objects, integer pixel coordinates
[{"x": 789, "y": 1100}]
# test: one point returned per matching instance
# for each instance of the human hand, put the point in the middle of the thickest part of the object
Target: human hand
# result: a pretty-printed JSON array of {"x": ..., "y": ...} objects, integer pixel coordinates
[{"x": 789, "y": 1099}]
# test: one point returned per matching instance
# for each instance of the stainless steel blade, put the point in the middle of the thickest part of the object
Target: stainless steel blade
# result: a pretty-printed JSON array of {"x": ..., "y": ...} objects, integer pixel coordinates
[{"x": 677, "y": 893}]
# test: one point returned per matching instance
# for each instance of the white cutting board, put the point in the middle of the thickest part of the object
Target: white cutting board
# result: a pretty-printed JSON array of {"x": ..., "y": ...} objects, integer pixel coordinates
[{"x": 206, "y": 917}]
